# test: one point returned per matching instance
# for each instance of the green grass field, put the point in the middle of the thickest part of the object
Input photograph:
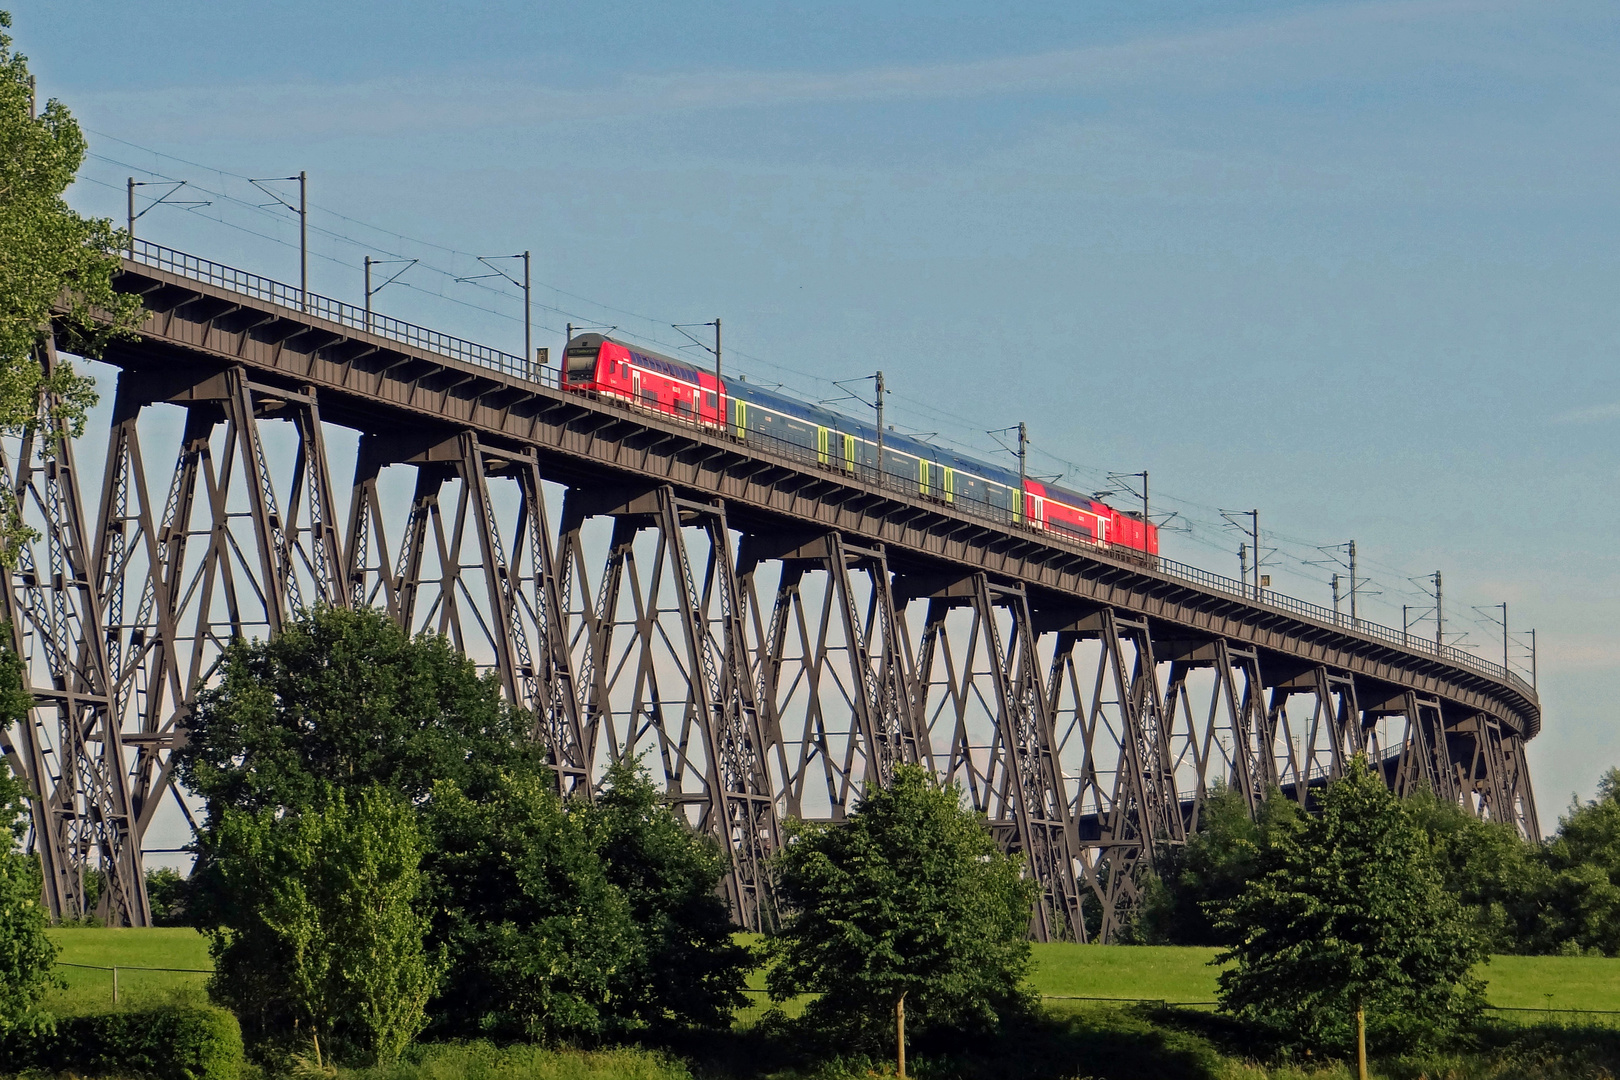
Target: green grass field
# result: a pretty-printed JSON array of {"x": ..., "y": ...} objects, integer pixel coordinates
[
  {"x": 1100, "y": 1038},
  {"x": 1101, "y": 971},
  {"x": 1166, "y": 973},
  {"x": 89, "y": 989},
  {"x": 1177, "y": 974}
]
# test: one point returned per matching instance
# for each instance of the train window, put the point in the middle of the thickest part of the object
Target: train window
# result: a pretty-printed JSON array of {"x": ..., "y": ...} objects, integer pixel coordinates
[
  {"x": 710, "y": 400},
  {"x": 582, "y": 362}
]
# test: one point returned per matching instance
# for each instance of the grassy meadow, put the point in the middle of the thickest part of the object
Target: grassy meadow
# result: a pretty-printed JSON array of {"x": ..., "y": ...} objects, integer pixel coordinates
[
  {"x": 88, "y": 989},
  {"x": 1161, "y": 973},
  {"x": 1174, "y": 975},
  {"x": 1080, "y": 1036}
]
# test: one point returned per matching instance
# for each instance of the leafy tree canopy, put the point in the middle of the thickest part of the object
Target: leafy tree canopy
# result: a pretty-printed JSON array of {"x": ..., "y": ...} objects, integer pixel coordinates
[
  {"x": 48, "y": 253},
  {"x": 347, "y": 698},
  {"x": 539, "y": 939},
  {"x": 687, "y": 970},
  {"x": 320, "y": 936},
  {"x": 27, "y": 955},
  {"x": 1197, "y": 880},
  {"x": 1347, "y": 911},
  {"x": 1495, "y": 874},
  {"x": 1580, "y": 912},
  {"x": 909, "y": 897}
]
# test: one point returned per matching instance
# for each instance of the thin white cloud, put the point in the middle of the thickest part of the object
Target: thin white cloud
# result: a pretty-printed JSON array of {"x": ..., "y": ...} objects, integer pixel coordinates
[
  {"x": 1573, "y": 653},
  {"x": 1291, "y": 44},
  {"x": 1590, "y": 414}
]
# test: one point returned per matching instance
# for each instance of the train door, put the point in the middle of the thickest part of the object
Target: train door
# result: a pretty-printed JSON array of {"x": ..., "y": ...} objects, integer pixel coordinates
[
  {"x": 849, "y": 453},
  {"x": 821, "y": 446},
  {"x": 635, "y": 386},
  {"x": 950, "y": 485},
  {"x": 1037, "y": 511},
  {"x": 922, "y": 476},
  {"x": 742, "y": 419},
  {"x": 1017, "y": 505}
]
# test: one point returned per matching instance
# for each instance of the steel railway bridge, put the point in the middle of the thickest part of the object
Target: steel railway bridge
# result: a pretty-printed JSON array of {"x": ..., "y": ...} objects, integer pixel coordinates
[{"x": 766, "y": 634}]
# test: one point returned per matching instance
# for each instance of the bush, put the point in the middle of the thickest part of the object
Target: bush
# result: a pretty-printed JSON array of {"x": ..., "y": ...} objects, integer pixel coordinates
[
  {"x": 485, "y": 1061},
  {"x": 26, "y": 954},
  {"x": 176, "y": 1043},
  {"x": 1211, "y": 871},
  {"x": 321, "y": 935}
]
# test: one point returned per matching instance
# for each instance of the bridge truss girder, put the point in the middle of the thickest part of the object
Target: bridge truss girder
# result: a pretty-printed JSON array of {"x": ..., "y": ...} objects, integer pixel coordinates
[{"x": 762, "y": 671}]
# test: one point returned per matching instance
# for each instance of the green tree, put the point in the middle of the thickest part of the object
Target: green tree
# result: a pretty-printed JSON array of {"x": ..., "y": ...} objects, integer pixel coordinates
[
  {"x": 537, "y": 936},
  {"x": 49, "y": 255},
  {"x": 687, "y": 971},
  {"x": 320, "y": 930},
  {"x": 1579, "y": 910},
  {"x": 166, "y": 891},
  {"x": 1195, "y": 881},
  {"x": 533, "y": 933},
  {"x": 1496, "y": 875},
  {"x": 347, "y": 698},
  {"x": 27, "y": 955},
  {"x": 1347, "y": 913},
  {"x": 909, "y": 900}
]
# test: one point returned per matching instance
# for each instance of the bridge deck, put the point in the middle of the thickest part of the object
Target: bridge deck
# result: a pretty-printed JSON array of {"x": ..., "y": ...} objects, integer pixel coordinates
[{"x": 772, "y": 634}]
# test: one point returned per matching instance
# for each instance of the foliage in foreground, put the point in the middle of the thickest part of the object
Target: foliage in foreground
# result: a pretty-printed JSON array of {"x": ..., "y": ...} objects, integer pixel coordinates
[
  {"x": 536, "y": 933},
  {"x": 909, "y": 897},
  {"x": 1581, "y": 912},
  {"x": 1211, "y": 870},
  {"x": 1557, "y": 898},
  {"x": 319, "y": 929},
  {"x": 166, "y": 1043},
  {"x": 1347, "y": 912},
  {"x": 485, "y": 1061},
  {"x": 347, "y": 699},
  {"x": 26, "y": 953},
  {"x": 688, "y": 971},
  {"x": 1070, "y": 1039},
  {"x": 48, "y": 252},
  {"x": 557, "y": 921}
]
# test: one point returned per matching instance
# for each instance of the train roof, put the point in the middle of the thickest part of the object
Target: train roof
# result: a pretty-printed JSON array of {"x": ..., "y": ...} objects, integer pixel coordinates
[
  {"x": 895, "y": 440},
  {"x": 688, "y": 370},
  {"x": 821, "y": 416}
]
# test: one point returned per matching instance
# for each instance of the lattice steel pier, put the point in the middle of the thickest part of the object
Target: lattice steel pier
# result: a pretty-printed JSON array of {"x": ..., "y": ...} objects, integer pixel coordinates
[{"x": 767, "y": 635}]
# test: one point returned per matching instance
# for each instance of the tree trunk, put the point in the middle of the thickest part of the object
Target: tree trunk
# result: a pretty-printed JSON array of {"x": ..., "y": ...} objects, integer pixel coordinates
[
  {"x": 1361, "y": 1043},
  {"x": 900, "y": 1033}
]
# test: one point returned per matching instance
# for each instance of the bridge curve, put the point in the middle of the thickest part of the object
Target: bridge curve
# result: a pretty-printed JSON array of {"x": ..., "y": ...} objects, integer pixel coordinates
[{"x": 773, "y": 633}]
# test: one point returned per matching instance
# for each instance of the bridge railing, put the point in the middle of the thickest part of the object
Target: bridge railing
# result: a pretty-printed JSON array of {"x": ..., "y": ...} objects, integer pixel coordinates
[
  {"x": 1405, "y": 639},
  {"x": 158, "y": 257},
  {"x": 324, "y": 307}
]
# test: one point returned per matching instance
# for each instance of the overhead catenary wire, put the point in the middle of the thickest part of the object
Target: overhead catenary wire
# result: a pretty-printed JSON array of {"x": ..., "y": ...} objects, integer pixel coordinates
[{"x": 1197, "y": 523}]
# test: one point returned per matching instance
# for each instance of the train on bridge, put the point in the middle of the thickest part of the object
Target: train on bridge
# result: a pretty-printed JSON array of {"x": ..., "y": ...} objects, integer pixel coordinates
[{"x": 597, "y": 364}]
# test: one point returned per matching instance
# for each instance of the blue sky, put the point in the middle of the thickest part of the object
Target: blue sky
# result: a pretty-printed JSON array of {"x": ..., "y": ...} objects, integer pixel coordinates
[{"x": 1351, "y": 263}]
